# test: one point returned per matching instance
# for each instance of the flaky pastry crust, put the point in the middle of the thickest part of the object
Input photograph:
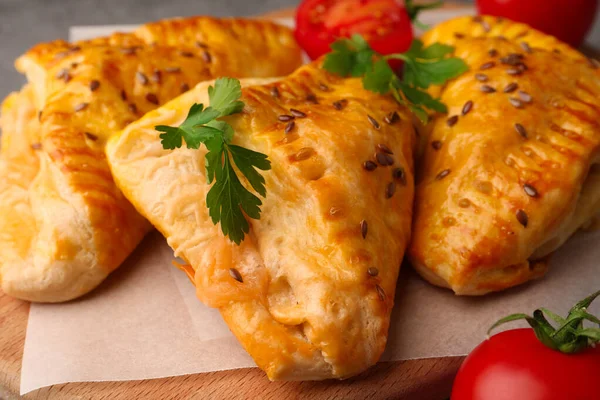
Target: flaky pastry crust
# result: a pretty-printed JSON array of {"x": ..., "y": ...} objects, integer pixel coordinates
[
  {"x": 64, "y": 224},
  {"x": 508, "y": 175},
  {"x": 318, "y": 282}
]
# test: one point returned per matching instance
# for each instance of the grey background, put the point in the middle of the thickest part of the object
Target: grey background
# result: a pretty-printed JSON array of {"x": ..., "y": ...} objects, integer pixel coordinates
[{"x": 26, "y": 22}]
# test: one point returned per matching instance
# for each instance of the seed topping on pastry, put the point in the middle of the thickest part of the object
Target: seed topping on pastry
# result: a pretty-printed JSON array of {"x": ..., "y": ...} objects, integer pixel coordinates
[
  {"x": 373, "y": 122},
  {"x": 235, "y": 274}
]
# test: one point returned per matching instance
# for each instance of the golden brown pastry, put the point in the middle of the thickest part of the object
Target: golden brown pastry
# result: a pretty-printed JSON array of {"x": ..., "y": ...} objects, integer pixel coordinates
[
  {"x": 63, "y": 223},
  {"x": 310, "y": 290},
  {"x": 508, "y": 175}
]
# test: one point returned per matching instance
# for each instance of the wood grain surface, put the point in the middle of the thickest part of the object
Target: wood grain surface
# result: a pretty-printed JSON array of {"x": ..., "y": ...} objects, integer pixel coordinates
[{"x": 415, "y": 379}]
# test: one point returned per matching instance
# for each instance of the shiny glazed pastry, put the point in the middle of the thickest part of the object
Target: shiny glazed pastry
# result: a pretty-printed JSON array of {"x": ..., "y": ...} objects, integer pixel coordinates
[
  {"x": 509, "y": 174},
  {"x": 309, "y": 291},
  {"x": 64, "y": 225}
]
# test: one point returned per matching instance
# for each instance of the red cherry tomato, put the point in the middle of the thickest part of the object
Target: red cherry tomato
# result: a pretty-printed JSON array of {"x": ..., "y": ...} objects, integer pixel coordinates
[
  {"x": 515, "y": 365},
  {"x": 568, "y": 20},
  {"x": 383, "y": 23}
]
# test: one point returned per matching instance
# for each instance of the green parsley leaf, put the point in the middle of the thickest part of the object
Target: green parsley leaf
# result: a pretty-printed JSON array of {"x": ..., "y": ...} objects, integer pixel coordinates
[
  {"x": 224, "y": 96},
  {"x": 247, "y": 160},
  {"x": 228, "y": 200},
  {"x": 378, "y": 77},
  {"x": 423, "y": 67},
  {"x": 350, "y": 57},
  {"x": 413, "y": 11},
  {"x": 188, "y": 130}
]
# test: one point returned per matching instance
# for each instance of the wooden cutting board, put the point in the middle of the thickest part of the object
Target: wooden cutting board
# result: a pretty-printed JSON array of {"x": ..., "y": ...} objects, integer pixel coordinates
[{"x": 416, "y": 379}]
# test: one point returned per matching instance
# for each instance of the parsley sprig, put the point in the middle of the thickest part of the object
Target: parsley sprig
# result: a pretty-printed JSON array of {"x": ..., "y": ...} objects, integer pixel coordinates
[
  {"x": 228, "y": 199},
  {"x": 413, "y": 11},
  {"x": 423, "y": 67}
]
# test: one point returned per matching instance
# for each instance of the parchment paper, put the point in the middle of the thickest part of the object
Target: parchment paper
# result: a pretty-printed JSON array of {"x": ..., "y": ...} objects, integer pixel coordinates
[{"x": 145, "y": 321}]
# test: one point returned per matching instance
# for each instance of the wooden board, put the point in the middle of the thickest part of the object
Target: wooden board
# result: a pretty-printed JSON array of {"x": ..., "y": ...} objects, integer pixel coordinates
[{"x": 422, "y": 379}]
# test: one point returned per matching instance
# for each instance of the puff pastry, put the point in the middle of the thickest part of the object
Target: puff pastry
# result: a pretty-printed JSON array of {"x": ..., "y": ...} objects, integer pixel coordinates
[
  {"x": 319, "y": 268},
  {"x": 64, "y": 225},
  {"x": 509, "y": 174}
]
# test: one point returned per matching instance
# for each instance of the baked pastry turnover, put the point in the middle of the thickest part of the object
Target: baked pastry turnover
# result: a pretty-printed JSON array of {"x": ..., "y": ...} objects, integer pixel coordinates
[
  {"x": 509, "y": 174},
  {"x": 63, "y": 223},
  {"x": 310, "y": 289}
]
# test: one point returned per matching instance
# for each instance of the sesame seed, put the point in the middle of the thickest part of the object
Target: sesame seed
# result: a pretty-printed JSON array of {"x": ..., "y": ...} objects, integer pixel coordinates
[
  {"x": 372, "y": 271},
  {"x": 525, "y": 46},
  {"x": 467, "y": 107},
  {"x": 373, "y": 122},
  {"x": 133, "y": 108},
  {"x": 452, "y": 120},
  {"x": 323, "y": 87},
  {"x": 64, "y": 75},
  {"x": 184, "y": 87},
  {"x": 40, "y": 115},
  {"x": 392, "y": 118},
  {"x": 235, "y": 274},
  {"x": 81, "y": 107},
  {"x": 201, "y": 45},
  {"x": 513, "y": 59},
  {"x": 436, "y": 144},
  {"x": 369, "y": 165},
  {"x": 186, "y": 54},
  {"x": 511, "y": 87},
  {"x": 285, "y": 118},
  {"x": 481, "y": 77},
  {"x": 487, "y": 65},
  {"x": 442, "y": 174},
  {"x": 289, "y": 127},
  {"x": 521, "y": 130},
  {"x": 522, "y": 218},
  {"x": 487, "y": 89},
  {"x": 399, "y": 175},
  {"x": 384, "y": 148},
  {"x": 206, "y": 56},
  {"x": 525, "y": 97},
  {"x": 297, "y": 113},
  {"x": 151, "y": 98},
  {"x": 304, "y": 154},
  {"x": 36, "y": 146},
  {"x": 156, "y": 76},
  {"x": 458, "y": 35},
  {"x": 311, "y": 98},
  {"x": 493, "y": 52},
  {"x": 123, "y": 95},
  {"x": 384, "y": 159},
  {"x": 514, "y": 71},
  {"x": 486, "y": 26},
  {"x": 90, "y": 136},
  {"x": 364, "y": 227},
  {"x": 128, "y": 50},
  {"x": 94, "y": 85},
  {"x": 340, "y": 104},
  {"x": 275, "y": 92},
  {"x": 380, "y": 292},
  {"x": 143, "y": 79},
  {"x": 515, "y": 102},
  {"x": 530, "y": 190},
  {"x": 173, "y": 69},
  {"x": 464, "y": 203}
]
